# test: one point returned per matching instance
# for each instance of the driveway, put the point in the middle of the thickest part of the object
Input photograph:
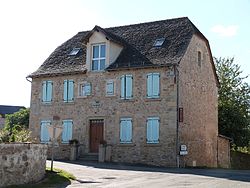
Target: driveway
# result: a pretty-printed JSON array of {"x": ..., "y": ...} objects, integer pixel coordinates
[{"x": 91, "y": 174}]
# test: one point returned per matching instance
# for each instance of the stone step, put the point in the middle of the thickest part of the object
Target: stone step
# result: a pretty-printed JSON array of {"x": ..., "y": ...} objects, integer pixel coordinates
[{"x": 89, "y": 157}]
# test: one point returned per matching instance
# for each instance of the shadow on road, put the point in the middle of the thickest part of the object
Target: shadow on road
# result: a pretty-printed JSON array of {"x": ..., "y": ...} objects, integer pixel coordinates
[{"x": 236, "y": 175}]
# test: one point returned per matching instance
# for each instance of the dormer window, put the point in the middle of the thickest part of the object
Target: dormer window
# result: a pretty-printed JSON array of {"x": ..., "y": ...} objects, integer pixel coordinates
[
  {"x": 98, "y": 57},
  {"x": 74, "y": 51},
  {"x": 159, "y": 42}
]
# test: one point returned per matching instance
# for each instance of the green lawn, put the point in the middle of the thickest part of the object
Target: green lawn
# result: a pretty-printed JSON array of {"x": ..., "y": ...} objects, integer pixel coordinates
[{"x": 52, "y": 179}]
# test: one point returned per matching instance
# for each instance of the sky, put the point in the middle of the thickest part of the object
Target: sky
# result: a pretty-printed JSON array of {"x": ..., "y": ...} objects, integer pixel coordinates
[{"x": 31, "y": 29}]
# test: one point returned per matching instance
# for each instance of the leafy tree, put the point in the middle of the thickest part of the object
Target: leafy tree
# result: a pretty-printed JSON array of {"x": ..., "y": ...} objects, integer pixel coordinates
[
  {"x": 233, "y": 102},
  {"x": 16, "y": 127}
]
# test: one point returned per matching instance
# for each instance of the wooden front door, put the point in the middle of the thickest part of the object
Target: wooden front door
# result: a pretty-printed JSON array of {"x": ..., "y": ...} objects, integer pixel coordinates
[{"x": 96, "y": 134}]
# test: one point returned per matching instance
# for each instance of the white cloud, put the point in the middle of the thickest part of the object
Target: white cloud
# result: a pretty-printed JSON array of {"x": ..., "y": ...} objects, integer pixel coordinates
[{"x": 225, "y": 31}]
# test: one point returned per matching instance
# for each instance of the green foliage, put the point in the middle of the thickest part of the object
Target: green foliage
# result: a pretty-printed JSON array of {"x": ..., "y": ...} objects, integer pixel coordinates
[
  {"x": 20, "y": 118},
  {"x": 16, "y": 127},
  {"x": 233, "y": 102}
]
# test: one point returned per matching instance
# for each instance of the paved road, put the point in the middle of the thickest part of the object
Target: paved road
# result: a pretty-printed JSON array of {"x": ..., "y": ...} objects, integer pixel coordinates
[{"x": 114, "y": 175}]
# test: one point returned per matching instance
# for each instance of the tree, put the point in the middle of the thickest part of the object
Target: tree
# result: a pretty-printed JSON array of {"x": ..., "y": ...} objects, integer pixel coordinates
[
  {"x": 16, "y": 127},
  {"x": 233, "y": 102}
]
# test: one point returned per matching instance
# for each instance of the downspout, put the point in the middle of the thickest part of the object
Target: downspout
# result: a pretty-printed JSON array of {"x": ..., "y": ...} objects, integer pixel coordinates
[{"x": 177, "y": 118}]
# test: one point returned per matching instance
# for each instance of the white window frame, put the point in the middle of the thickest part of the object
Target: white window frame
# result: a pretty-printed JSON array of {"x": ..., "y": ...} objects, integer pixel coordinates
[
  {"x": 47, "y": 123},
  {"x": 107, "y": 91},
  {"x": 82, "y": 87},
  {"x": 99, "y": 58},
  {"x": 155, "y": 140},
  {"x": 131, "y": 133}
]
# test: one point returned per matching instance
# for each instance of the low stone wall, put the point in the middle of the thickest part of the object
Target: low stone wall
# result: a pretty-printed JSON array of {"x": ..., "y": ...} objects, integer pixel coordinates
[
  {"x": 223, "y": 152},
  {"x": 22, "y": 163}
]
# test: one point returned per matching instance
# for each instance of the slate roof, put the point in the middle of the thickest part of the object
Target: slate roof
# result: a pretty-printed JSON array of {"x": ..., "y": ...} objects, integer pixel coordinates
[
  {"x": 4, "y": 109},
  {"x": 137, "y": 41}
]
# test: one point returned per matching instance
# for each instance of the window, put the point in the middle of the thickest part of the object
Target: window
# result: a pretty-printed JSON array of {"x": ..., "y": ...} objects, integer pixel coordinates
[
  {"x": 47, "y": 91},
  {"x": 126, "y": 87},
  {"x": 68, "y": 91},
  {"x": 67, "y": 131},
  {"x": 153, "y": 130},
  {"x": 110, "y": 90},
  {"x": 74, "y": 51},
  {"x": 126, "y": 130},
  {"x": 98, "y": 57},
  {"x": 159, "y": 42},
  {"x": 153, "y": 85},
  {"x": 44, "y": 137},
  {"x": 85, "y": 89},
  {"x": 199, "y": 58}
]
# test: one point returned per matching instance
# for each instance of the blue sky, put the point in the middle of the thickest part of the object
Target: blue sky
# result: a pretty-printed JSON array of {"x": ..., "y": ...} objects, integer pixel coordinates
[{"x": 31, "y": 30}]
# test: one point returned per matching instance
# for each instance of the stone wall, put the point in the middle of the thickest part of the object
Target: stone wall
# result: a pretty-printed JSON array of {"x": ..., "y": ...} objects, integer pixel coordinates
[
  {"x": 2, "y": 121},
  {"x": 198, "y": 98},
  {"x": 22, "y": 163},
  {"x": 223, "y": 152}
]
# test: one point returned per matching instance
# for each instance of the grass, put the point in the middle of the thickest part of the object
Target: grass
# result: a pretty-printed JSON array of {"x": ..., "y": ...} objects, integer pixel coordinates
[{"x": 52, "y": 179}]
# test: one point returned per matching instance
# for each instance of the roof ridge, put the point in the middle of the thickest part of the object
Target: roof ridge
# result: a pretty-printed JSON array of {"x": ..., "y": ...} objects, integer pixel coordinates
[{"x": 151, "y": 22}]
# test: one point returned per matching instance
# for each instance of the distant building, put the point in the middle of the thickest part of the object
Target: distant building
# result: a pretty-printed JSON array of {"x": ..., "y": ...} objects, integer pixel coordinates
[{"x": 4, "y": 109}]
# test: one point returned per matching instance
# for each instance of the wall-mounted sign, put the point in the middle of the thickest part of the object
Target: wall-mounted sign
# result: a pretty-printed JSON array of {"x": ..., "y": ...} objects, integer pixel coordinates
[
  {"x": 180, "y": 114},
  {"x": 96, "y": 104},
  {"x": 183, "y": 152},
  {"x": 183, "y": 148}
]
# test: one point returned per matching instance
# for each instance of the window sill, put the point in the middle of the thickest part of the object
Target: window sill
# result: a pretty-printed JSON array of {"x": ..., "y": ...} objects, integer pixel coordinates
[
  {"x": 83, "y": 97},
  {"x": 127, "y": 100},
  {"x": 152, "y": 145},
  {"x": 152, "y": 99},
  {"x": 68, "y": 102},
  {"x": 126, "y": 144}
]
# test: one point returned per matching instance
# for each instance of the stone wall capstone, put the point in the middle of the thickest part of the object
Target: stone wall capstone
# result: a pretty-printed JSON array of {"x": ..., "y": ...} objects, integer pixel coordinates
[{"x": 22, "y": 163}]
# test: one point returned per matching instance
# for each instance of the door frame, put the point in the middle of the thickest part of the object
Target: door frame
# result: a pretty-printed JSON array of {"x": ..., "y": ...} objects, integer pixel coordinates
[{"x": 89, "y": 124}]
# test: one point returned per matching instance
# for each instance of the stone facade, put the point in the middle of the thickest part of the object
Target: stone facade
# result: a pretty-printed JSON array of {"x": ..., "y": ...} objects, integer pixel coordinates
[
  {"x": 198, "y": 98},
  {"x": 22, "y": 163},
  {"x": 111, "y": 109}
]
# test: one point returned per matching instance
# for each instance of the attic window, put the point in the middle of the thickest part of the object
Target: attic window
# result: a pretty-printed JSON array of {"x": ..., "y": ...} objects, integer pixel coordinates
[
  {"x": 74, "y": 51},
  {"x": 159, "y": 42}
]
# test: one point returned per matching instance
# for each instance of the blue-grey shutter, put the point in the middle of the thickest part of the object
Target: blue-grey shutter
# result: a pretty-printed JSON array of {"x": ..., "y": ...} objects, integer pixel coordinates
[
  {"x": 156, "y": 85},
  {"x": 110, "y": 88},
  {"x": 155, "y": 130},
  {"x": 71, "y": 90},
  {"x": 129, "y": 86},
  {"x": 122, "y": 131},
  {"x": 149, "y": 85},
  {"x": 64, "y": 132},
  {"x": 149, "y": 131},
  {"x": 122, "y": 87},
  {"x": 44, "y": 131},
  {"x": 129, "y": 131},
  {"x": 70, "y": 130},
  {"x": 65, "y": 90},
  {"x": 44, "y": 94},
  {"x": 87, "y": 89},
  {"x": 49, "y": 91}
]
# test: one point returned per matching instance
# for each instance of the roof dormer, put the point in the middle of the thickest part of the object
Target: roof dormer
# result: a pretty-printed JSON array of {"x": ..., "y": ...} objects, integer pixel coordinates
[{"x": 102, "y": 49}]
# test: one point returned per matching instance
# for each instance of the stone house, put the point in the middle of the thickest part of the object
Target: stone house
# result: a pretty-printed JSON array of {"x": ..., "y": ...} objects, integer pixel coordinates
[{"x": 149, "y": 90}]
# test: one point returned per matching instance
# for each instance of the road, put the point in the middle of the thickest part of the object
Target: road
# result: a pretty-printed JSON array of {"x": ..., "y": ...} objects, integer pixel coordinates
[{"x": 106, "y": 175}]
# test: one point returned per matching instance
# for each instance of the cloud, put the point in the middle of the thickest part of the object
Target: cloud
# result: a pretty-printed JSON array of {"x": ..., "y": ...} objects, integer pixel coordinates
[{"x": 225, "y": 31}]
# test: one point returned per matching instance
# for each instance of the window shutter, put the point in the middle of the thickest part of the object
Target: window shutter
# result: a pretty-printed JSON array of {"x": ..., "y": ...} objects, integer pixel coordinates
[
  {"x": 70, "y": 130},
  {"x": 87, "y": 89},
  {"x": 65, "y": 90},
  {"x": 149, "y": 85},
  {"x": 123, "y": 87},
  {"x": 155, "y": 130},
  {"x": 149, "y": 131},
  {"x": 71, "y": 90},
  {"x": 123, "y": 131},
  {"x": 64, "y": 132},
  {"x": 49, "y": 91},
  {"x": 44, "y": 131},
  {"x": 44, "y": 88},
  {"x": 156, "y": 85},
  {"x": 129, "y": 131},
  {"x": 129, "y": 86},
  {"x": 110, "y": 88}
]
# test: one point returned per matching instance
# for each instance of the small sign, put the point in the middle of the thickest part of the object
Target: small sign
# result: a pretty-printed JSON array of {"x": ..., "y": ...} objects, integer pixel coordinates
[
  {"x": 96, "y": 104},
  {"x": 180, "y": 114},
  {"x": 183, "y": 152},
  {"x": 183, "y": 148}
]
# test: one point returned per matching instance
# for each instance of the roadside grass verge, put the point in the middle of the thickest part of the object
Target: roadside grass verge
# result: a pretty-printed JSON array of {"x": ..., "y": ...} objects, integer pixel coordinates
[{"x": 53, "y": 179}]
